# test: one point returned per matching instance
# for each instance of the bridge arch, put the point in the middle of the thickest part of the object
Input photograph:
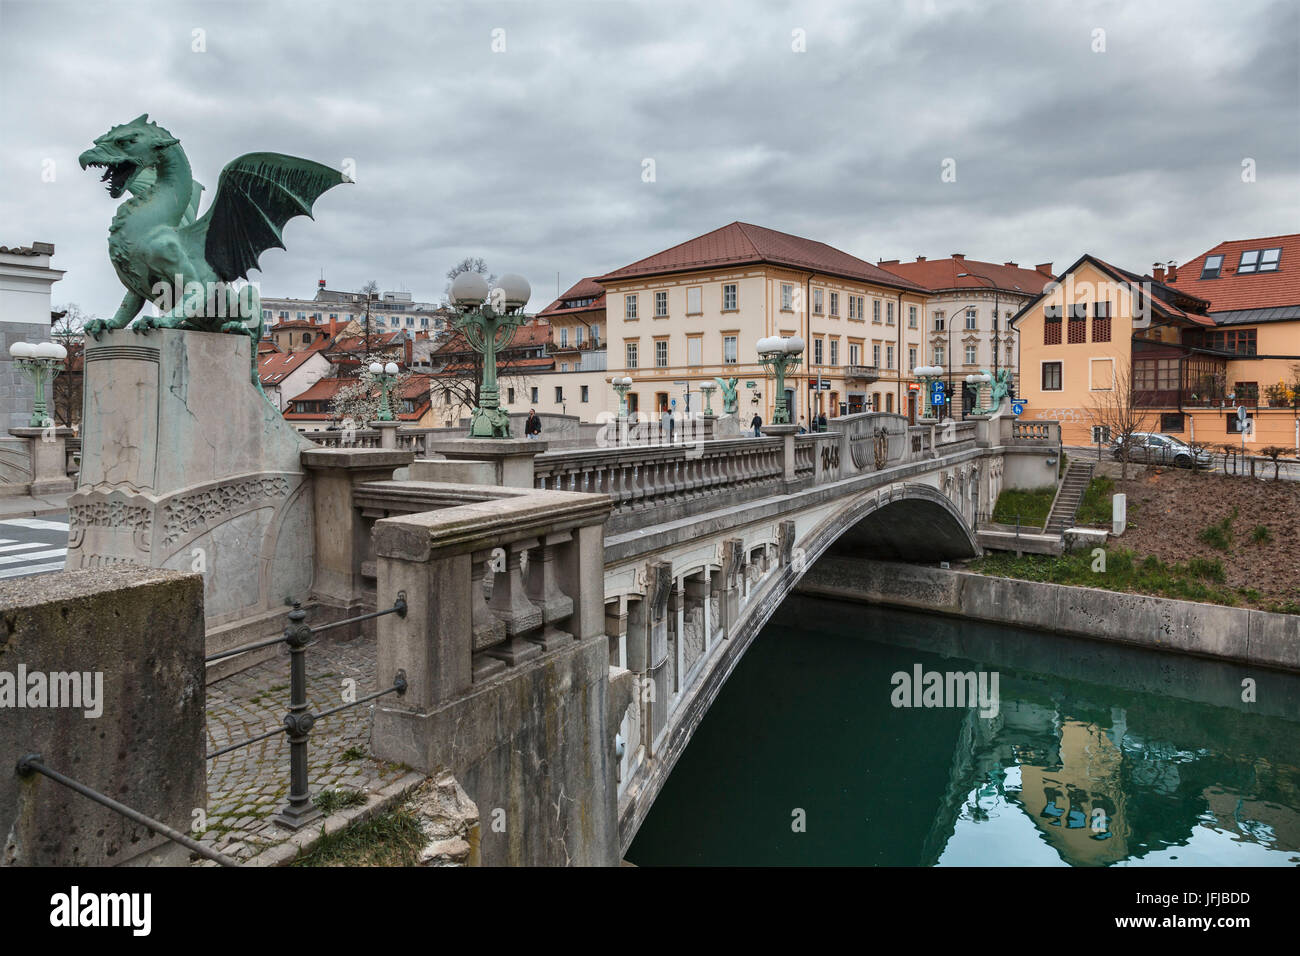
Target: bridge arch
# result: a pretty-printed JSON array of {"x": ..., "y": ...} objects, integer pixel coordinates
[{"x": 913, "y": 522}]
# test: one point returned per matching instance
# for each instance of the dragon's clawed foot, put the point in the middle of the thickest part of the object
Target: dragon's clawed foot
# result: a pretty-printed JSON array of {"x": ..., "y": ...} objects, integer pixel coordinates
[
  {"x": 145, "y": 323},
  {"x": 95, "y": 328}
]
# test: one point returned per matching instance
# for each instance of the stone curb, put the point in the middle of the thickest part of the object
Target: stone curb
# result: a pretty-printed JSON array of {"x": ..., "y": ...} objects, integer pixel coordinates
[{"x": 304, "y": 840}]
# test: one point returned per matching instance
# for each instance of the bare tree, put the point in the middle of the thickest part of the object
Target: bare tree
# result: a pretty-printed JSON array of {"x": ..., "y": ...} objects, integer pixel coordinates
[
  {"x": 359, "y": 400},
  {"x": 468, "y": 264},
  {"x": 1117, "y": 410},
  {"x": 66, "y": 328}
]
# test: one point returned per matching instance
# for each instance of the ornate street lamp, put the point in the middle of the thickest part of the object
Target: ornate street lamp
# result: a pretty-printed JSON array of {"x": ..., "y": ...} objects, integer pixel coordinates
[
  {"x": 385, "y": 376},
  {"x": 780, "y": 355},
  {"x": 41, "y": 362},
  {"x": 708, "y": 388},
  {"x": 622, "y": 386},
  {"x": 489, "y": 326},
  {"x": 978, "y": 379}
]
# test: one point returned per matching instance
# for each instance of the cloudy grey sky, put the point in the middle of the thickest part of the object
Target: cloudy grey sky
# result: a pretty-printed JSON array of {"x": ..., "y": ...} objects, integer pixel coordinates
[{"x": 533, "y": 157}]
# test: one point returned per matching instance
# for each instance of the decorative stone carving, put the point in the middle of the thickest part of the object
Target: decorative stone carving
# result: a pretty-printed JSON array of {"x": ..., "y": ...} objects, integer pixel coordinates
[
  {"x": 183, "y": 515},
  {"x": 785, "y": 540}
]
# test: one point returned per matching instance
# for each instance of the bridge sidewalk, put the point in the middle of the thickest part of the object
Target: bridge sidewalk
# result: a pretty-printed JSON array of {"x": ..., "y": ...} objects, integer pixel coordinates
[{"x": 26, "y": 506}]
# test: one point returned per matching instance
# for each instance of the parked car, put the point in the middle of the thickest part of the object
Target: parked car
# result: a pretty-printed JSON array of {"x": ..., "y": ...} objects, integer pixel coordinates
[{"x": 1156, "y": 449}]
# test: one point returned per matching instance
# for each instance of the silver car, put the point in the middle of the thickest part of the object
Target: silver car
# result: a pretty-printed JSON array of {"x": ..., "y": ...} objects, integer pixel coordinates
[{"x": 1156, "y": 449}]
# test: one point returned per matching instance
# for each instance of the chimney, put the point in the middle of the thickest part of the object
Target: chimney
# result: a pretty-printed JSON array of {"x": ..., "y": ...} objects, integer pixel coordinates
[
  {"x": 1158, "y": 272},
  {"x": 920, "y": 258},
  {"x": 1011, "y": 264},
  {"x": 1173, "y": 271},
  {"x": 959, "y": 255},
  {"x": 887, "y": 262},
  {"x": 1045, "y": 268}
]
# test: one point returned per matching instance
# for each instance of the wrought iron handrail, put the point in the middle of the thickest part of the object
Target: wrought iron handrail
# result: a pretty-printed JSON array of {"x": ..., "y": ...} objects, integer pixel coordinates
[{"x": 32, "y": 763}]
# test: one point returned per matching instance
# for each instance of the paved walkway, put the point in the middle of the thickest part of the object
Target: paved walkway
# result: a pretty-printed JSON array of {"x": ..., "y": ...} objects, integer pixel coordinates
[
  {"x": 248, "y": 786},
  {"x": 25, "y": 506}
]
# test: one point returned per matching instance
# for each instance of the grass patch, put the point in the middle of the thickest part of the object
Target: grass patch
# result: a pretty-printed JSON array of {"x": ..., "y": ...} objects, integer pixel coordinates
[
  {"x": 329, "y": 801},
  {"x": 1194, "y": 580},
  {"x": 1219, "y": 534},
  {"x": 390, "y": 839},
  {"x": 1032, "y": 506},
  {"x": 355, "y": 753},
  {"x": 1095, "y": 507},
  {"x": 1260, "y": 534}
]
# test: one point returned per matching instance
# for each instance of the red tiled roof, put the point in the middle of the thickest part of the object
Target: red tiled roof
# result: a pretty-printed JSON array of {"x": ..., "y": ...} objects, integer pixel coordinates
[
  {"x": 416, "y": 386},
  {"x": 507, "y": 366},
  {"x": 937, "y": 274},
  {"x": 529, "y": 335},
  {"x": 1253, "y": 290},
  {"x": 742, "y": 243},
  {"x": 587, "y": 288},
  {"x": 276, "y": 366},
  {"x": 1165, "y": 300},
  {"x": 354, "y": 343}
]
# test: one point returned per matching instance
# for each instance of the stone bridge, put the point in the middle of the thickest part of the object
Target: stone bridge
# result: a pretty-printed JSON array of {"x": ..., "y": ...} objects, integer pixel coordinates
[{"x": 572, "y": 615}]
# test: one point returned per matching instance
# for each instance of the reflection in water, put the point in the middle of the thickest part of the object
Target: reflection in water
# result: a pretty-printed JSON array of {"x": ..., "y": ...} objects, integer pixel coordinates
[{"x": 1098, "y": 754}]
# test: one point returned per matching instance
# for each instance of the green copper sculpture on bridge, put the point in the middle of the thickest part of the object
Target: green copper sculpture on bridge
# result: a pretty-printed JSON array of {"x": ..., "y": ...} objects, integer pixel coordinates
[
  {"x": 1000, "y": 388},
  {"x": 166, "y": 254},
  {"x": 488, "y": 327}
]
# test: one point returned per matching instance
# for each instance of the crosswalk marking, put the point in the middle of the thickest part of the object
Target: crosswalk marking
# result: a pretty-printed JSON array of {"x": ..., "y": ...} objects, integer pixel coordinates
[
  {"x": 36, "y": 524},
  {"x": 24, "y": 546},
  {"x": 30, "y": 569},
  {"x": 33, "y": 555}
]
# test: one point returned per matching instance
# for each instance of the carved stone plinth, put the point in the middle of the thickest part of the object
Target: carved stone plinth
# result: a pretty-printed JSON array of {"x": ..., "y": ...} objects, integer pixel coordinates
[{"x": 185, "y": 465}]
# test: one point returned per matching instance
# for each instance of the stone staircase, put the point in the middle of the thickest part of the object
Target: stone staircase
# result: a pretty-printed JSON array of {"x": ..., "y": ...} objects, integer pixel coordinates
[{"x": 1068, "y": 496}]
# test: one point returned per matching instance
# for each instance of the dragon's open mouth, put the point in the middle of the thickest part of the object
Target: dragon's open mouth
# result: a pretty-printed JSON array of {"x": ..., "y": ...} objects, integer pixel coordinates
[{"x": 116, "y": 175}]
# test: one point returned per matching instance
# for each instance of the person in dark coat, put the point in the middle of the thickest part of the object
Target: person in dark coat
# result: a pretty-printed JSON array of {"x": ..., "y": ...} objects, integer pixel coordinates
[
  {"x": 756, "y": 424},
  {"x": 533, "y": 426}
]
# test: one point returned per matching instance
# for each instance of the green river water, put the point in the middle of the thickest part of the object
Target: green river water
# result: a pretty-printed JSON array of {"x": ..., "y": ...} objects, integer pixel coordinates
[{"x": 1098, "y": 754}]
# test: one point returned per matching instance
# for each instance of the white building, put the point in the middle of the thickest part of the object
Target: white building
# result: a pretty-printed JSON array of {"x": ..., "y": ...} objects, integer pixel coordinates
[
  {"x": 388, "y": 312},
  {"x": 26, "y": 279}
]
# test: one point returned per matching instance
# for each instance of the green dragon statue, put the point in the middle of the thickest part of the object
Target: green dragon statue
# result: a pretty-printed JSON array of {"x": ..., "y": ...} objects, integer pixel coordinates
[
  {"x": 728, "y": 386},
  {"x": 1000, "y": 388},
  {"x": 164, "y": 253}
]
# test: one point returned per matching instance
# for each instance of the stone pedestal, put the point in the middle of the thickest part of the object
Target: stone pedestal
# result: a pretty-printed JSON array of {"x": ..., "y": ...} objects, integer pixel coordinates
[
  {"x": 49, "y": 457},
  {"x": 511, "y": 458},
  {"x": 387, "y": 434},
  {"x": 185, "y": 465},
  {"x": 787, "y": 433}
]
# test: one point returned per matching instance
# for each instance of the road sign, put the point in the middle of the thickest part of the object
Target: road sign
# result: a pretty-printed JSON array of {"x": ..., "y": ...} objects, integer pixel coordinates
[
  {"x": 1017, "y": 407},
  {"x": 673, "y": 403},
  {"x": 751, "y": 385}
]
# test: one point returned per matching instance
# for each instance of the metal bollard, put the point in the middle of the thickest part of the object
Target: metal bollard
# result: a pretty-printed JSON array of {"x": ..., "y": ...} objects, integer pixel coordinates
[{"x": 299, "y": 720}]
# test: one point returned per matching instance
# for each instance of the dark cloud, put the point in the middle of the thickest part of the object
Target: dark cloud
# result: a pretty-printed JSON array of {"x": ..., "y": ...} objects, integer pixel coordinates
[{"x": 532, "y": 158}]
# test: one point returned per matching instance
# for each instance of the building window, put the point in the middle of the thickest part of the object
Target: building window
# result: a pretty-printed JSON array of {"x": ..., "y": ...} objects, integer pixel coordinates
[
  {"x": 855, "y": 354},
  {"x": 889, "y": 356},
  {"x": 1210, "y": 271},
  {"x": 875, "y": 354},
  {"x": 577, "y": 335},
  {"x": 694, "y": 300},
  {"x": 889, "y": 313},
  {"x": 1101, "y": 322},
  {"x": 858, "y": 308},
  {"x": 835, "y": 304},
  {"x": 939, "y": 321},
  {"x": 1051, "y": 376},
  {"x": 729, "y": 297},
  {"x": 585, "y": 392},
  {"x": 1259, "y": 260},
  {"x": 661, "y": 355},
  {"x": 306, "y": 337},
  {"x": 911, "y": 316},
  {"x": 1237, "y": 341},
  {"x": 510, "y": 396},
  {"x": 694, "y": 351},
  {"x": 970, "y": 355},
  {"x": 564, "y": 366},
  {"x": 631, "y": 354},
  {"x": 1247, "y": 392},
  {"x": 911, "y": 358},
  {"x": 661, "y": 305},
  {"x": 1052, "y": 325},
  {"x": 889, "y": 401},
  {"x": 787, "y": 297},
  {"x": 970, "y": 319},
  {"x": 835, "y": 351},
  {"x": 1155, "y": 375},
  {"x": 1173, "y": 421},
  {"x": 533, "y": 393},
  {"x": 595, "y": 336},
  {"x": 817, "y": 352},
  {"x": 937, "y": 355},
  {"x": 730, "y": 354},
  {"x": 875, "y": 311},
  {"x": 629, "y": 307},
  {"x": 818, "y": 296},
  {"x": 559, "y": 394},
  {"x": 564, "y": 338}
]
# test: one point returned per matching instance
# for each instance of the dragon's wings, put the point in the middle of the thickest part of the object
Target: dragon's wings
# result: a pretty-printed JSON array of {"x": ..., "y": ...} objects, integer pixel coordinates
[{"x": 256, "y": 195}]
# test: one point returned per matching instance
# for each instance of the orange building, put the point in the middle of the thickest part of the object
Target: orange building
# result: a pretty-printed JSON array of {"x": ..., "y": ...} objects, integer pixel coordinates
[{"x": 1196, "y": 342}]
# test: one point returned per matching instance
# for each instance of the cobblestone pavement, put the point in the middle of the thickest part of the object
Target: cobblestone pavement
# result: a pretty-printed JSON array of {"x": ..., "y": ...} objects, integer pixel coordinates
[{"x": 246, "y": 787}]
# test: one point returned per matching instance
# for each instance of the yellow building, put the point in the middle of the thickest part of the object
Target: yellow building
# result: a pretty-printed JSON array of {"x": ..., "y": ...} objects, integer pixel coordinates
[
  {"x": 696, "y": 311},
  {"x": 1197, "y": 342}
]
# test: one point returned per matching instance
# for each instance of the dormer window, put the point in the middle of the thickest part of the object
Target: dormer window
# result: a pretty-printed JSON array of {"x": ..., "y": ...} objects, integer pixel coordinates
[
  {"x": 1259, "y": 260},
  {"x": 1212, "y": 266}
]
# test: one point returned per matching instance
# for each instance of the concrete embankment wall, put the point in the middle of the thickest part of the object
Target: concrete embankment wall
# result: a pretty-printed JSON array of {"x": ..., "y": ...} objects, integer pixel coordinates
[{"x": 1206, "y": 630}]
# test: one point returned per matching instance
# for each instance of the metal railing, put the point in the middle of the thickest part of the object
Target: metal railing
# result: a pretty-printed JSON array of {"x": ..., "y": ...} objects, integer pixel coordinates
[{"x": 299, "y": 719}]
